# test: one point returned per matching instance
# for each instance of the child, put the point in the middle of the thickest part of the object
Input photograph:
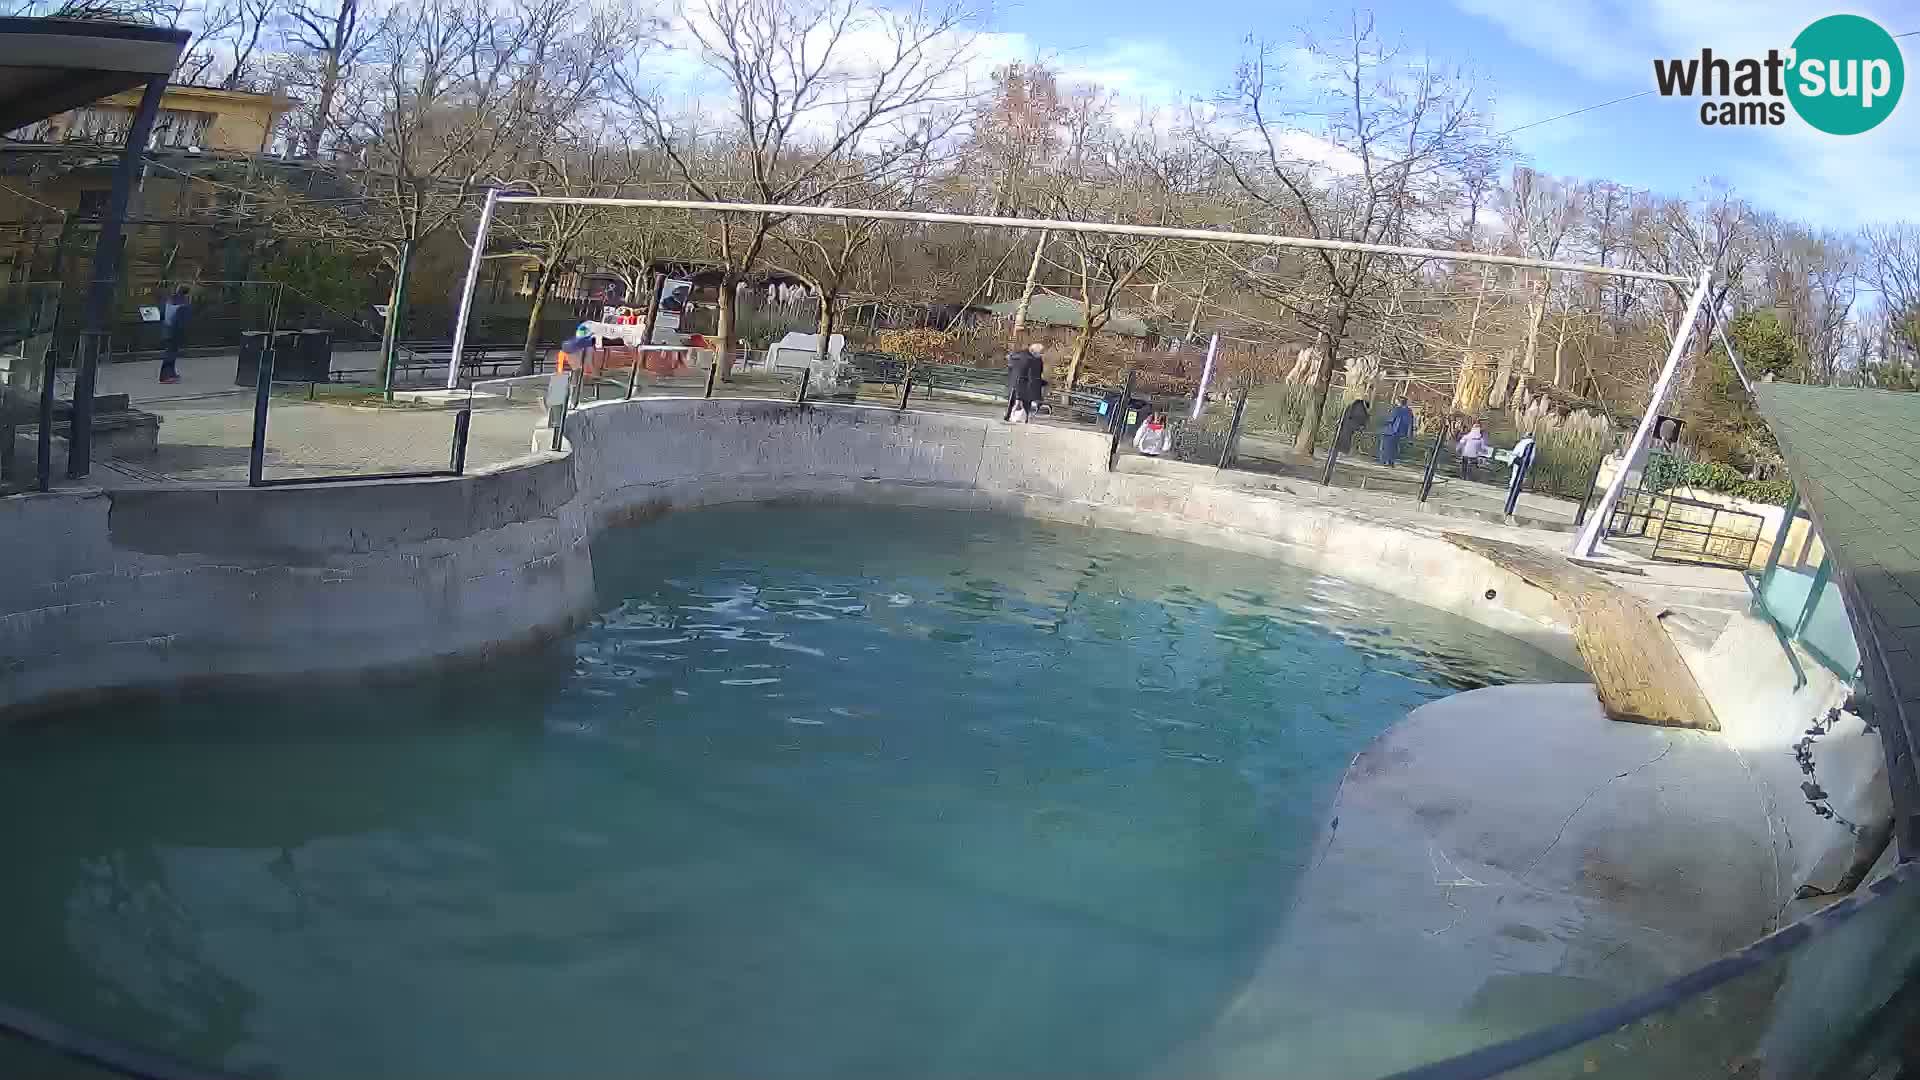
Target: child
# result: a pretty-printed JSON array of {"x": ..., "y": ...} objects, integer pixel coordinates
[{"x": 1155, "y": 436}]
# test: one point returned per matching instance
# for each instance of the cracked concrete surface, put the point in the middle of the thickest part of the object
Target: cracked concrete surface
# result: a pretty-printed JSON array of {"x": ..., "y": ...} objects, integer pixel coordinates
[{"x": 1503, "y": 859}]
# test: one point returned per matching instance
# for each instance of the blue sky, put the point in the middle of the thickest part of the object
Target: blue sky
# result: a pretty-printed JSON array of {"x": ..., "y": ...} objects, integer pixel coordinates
[{"x": 1539, "y": 58}]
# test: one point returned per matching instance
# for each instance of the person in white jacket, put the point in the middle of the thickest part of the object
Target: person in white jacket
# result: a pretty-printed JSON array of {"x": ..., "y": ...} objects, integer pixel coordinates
[{"x": 1155, "y": 436}]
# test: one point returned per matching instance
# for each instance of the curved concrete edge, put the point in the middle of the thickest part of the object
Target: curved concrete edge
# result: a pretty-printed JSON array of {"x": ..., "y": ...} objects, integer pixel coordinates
[
  {"x": 160, "y": 588},
  {"x": 178, "y": 587}
]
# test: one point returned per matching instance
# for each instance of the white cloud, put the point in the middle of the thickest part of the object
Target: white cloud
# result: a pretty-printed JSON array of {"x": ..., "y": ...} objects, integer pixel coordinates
[{"x": 1794, "y": 170}]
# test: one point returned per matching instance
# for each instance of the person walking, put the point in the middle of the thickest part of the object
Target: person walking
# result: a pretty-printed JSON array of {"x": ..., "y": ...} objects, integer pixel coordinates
[
  {"x": 1024, "y": 370},
  {"x": 1399, "y": 425},
  {"x": 175, "y": 315},
  {"x": 1473, "y": 448},
  {"x": 1352, "y": 422}
]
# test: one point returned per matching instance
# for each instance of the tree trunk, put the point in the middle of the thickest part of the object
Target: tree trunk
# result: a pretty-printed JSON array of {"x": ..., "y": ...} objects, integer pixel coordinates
[
  {"x": 1502, "y": 375},
  {"x": 329, "y": 85},
  {"x": 724, "y": 328},
  {"x": 1327, "y": 345},
  {"x": 1026, "y": 294},
  {"x": 1559, "y": 350},
  {"x": 823, "y": 330},
  {"x": 530, "y": 351},
  {"x": 1081, "y": 341},
  {"x": 396, "y": 305},
  {"x": 1536, "y": 311}
]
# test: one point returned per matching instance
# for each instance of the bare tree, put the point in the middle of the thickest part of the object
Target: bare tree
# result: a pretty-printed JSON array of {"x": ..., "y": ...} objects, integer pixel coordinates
[
  {"x": 1367, "y": 157},
  {"x": 1893, "y": 269},
  {"x": 826, "y": 95},
  {"x": 334, "y": 35},
  {"x": 228, "y": 45}
]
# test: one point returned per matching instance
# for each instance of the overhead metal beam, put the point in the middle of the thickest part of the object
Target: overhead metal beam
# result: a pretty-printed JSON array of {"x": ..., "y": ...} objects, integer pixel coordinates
[{"x": 1053, "y": 225}]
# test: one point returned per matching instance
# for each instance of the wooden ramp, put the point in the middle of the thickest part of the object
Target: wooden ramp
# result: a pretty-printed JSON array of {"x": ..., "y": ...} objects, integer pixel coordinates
[{"x": 1637, "y": 671}]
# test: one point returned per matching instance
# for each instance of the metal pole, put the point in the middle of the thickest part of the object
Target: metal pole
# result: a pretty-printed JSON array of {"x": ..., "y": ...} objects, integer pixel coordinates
[
  {"x": 396, "y": 314},
  {"x": 1118, "y": 421},
  {"x": 1518, "y": 480},
  {"x": 1162, "y": 231},
  {"x": 1233, "y": 430},
  {"x": 906, "y": 390},
  {"x": 1433, "y": 461},
  {"x": 1333, "y": 455},
  {"x": 1788, "y": 513},
  {"x": 1206, "y": 376},
  {"x": 262, "y": 390},
  {"x": 1586, "y": 500},
  {"x": 1588, "y": 541},
  {"x": 1814, "y": 590},
  {"x": 806, "y": 375},
  {"x": 466, "y": 291},
  {"x": 713, "y": 370},
  {"x": 461, "y": 421},
  {"x": 106, "y": 274}
]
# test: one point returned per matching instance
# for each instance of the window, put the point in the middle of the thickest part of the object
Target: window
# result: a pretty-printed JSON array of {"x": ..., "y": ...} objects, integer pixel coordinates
[{"x": 174, "y": 129}]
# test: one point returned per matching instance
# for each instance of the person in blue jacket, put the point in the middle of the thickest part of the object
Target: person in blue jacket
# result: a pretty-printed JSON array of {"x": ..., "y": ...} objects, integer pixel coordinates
[{"x": 1399, "y": 426}]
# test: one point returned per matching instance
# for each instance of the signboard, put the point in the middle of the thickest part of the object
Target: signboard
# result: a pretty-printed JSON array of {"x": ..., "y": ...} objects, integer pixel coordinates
[{"x": 149, "y": 313}]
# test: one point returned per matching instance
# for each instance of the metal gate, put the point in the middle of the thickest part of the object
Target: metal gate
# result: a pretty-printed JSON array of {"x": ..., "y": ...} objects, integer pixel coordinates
[{"x": 1687, "y": 530}]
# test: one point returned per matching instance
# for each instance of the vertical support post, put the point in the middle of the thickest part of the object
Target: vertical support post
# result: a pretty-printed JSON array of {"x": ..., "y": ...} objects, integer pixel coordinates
[
  {"x": 44, "y": 449},
  {"x": 1588, "y": 540},
  {"x": 461, "y": 421},
  {"x": 1515, "y": 483},
  {"x": 1333, "y": 455},
  {"x": 1206, "y": 376},
  {"x": 806, "y": 375},
  {"x": 466, "y": 291},
  {"x": 906, "y": 389},
  {"x": 1820, "y": 579},
  {"x": 1118, "y": 421},
  {"x": 105, "y": 275},
  {"x": 1586, "y": 500},
  {"x": 262, "y": 391},
  {"x": 1433, "y": 462},
  {"x": 1233, "y": 430},
  {"x": 1788, "y": 513},
  {"x": 713, "y": 372}
]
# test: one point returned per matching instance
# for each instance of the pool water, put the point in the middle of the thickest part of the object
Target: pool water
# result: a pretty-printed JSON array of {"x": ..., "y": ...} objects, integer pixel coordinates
[{"x": 820, "y": 792}]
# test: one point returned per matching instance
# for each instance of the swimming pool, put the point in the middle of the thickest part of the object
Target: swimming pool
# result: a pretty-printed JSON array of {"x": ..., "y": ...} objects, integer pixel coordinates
[{"x": 822, "y": 791}]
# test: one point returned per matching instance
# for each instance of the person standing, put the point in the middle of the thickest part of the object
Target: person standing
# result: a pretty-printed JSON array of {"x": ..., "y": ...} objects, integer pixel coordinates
[
  {"x": 1473, "y": 448},
  {"x": 1024, "y": 369},
  {"x": 1399, "y": 425},
  {"x": 174, "y": 317},
  {"x": 1352, "y": 422},
  {"x": 1155, "y": 436}
]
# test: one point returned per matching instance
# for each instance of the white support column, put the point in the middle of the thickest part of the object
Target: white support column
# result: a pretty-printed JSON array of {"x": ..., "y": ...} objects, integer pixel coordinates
[
  {"x": 1588, "y": 541},
  {"x": 1206, "y": 376},
  {"x": 466, "y": 294}
]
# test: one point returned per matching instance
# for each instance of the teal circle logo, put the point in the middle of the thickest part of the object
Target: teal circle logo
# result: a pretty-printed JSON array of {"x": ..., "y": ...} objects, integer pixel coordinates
[{"x": 1846, "y": 75}]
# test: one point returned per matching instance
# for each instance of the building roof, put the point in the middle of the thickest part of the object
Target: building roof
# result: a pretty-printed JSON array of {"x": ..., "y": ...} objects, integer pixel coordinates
[
  {"x": 1854, "y": 456},
  {"x": 1048, "y": 310},
  {"x": 48, "y": 66}
]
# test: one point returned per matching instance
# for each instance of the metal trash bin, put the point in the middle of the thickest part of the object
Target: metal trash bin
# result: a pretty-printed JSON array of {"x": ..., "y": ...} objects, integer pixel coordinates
[
  {"x": 313, "y": 358},
  {"x": 253, "y": 343},
  {"x": 247, "y": 371}
]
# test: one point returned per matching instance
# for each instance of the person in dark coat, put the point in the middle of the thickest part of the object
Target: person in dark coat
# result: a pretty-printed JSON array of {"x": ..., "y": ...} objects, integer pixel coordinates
[
  {"x": 1352, "y": 422},
  {"x": 1399, "y": 425},
  {"x": 1024, "y": 370}
]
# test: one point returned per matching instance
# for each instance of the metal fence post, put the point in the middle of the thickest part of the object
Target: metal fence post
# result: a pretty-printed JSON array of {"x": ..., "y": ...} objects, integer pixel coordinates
[
  {"x": 1233, "y": 429},
  {"x": 806, "y": 376},
  {"x": 461, "y": 421},
  {"x": 1580, "y": 517},
  {"x": 713, "y": 372},
  {"x": 262, "y": 390},
  {"x": 906, "y": 390},
  {"x": 1333, "y": 455},
  {"x": 1117, "y": 422},
  {"x": 1433, "y": 463},
  {"x": 1516, "y": 482}
]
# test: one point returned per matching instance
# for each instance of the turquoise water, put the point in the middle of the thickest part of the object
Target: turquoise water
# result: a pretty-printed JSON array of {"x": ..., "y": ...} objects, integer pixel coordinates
[{"x": 821, "y": 792}]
